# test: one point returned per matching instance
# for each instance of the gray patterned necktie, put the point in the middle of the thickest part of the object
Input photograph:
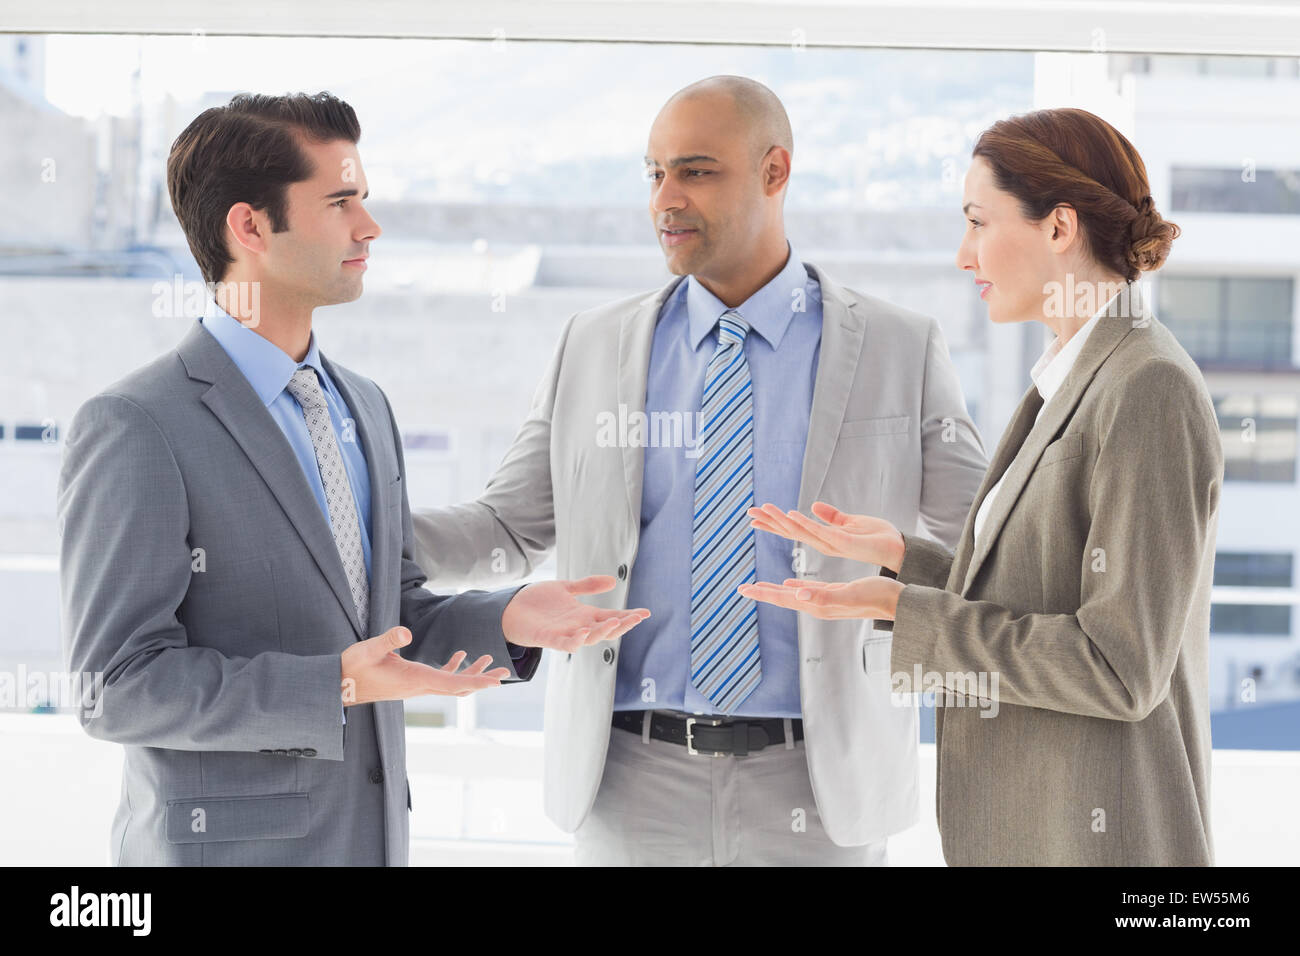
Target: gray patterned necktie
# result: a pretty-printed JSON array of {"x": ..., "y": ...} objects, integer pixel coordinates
[{"x": 305, "y": 387}]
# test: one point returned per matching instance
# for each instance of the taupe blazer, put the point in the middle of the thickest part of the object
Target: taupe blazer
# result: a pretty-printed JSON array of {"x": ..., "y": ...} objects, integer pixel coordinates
[{"x": 1088, "y": 598}]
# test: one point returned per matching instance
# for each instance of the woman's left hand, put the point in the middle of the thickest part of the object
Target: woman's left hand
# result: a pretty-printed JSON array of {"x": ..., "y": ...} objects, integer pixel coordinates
[{"x": 875, "y": 597}]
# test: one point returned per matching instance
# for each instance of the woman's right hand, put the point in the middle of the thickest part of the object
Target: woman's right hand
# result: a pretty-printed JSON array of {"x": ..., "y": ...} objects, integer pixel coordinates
[{"x": 856, "y": 537}]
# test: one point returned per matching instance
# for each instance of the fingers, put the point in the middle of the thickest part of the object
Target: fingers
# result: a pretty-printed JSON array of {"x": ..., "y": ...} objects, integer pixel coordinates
[
  {"x": 626, "y": 624},
  {"x": 829, "y": 513},
  {"x": 478, "y": 667},
  {"x": 390, "y": 640},
  {"x": 614, "y": 627},
  {"x": 601, "y": 632},
  {"x": 776, "y": 594},
  {"x": 803, "y": 583},
  {"x": 455, "y": 662},
  {"x": 810, "y": 597},
  {"x": 460, "y": 685},
  {"x": 818, "y": 535},
  {"x": 795, "y": 526},
  {"x": 771, "y": 518},
  {"x": 594, "y": 584}
]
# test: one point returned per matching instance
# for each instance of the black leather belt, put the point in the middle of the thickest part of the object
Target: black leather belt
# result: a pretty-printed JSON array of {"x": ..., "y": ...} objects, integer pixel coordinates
[{"x": 711, "y": 736}]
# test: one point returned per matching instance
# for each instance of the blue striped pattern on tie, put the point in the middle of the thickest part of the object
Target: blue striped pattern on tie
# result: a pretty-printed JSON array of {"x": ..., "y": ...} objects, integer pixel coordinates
[{"x": 725, "y": 663}]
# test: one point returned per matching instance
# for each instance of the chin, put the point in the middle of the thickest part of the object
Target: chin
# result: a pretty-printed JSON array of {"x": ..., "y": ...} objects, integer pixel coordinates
[{"x": 678, "y": 265}]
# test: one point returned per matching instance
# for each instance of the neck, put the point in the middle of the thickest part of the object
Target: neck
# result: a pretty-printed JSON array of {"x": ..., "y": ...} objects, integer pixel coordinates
[
  {"x": 760, "y": 269},
  {"x": 1084, "y": 294},
  {"x": 283, "y": 322}
]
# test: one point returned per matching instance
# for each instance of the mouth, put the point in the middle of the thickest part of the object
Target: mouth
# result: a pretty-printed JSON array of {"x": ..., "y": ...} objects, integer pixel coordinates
[
  {"x": 675, "y": 237},
  {"x": 356, "y": 263},
  {"x": 983, "y": 287}
]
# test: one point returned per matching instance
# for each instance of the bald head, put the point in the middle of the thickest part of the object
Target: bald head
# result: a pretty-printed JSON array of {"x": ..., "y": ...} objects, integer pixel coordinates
[
  {"x": 757, "y": 110},
  {"x": 718, "y": 163}
]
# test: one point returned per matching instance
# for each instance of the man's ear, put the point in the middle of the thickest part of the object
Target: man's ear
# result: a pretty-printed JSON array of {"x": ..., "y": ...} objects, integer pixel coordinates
[{"x": 247, "y": 227}]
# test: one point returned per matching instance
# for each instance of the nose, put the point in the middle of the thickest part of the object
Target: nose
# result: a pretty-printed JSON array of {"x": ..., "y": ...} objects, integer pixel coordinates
[
  {"x": 966, "y": 253},
  {"x": 369, "y": 229},
  {"x": 665, "y": 195}
]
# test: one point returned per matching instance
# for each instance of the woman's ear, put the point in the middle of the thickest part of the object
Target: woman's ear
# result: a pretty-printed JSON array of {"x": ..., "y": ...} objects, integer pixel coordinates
[{"x": 1063, "y": 221}]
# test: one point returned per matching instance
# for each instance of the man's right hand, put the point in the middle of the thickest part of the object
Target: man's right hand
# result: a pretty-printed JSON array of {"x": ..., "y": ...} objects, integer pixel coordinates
[{"x": 373, "y": 670}]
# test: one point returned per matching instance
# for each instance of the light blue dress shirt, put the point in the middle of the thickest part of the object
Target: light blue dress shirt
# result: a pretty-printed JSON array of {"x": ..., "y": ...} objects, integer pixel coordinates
[
  {"x": 268, "y": 369},
  {"x": 782, "y": 348}
]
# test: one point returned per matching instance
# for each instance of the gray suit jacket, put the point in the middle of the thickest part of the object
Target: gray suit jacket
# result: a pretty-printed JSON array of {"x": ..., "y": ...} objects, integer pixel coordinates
[
  {"x": 1089, "y": 597},
  {"x": 888, "y": 435},
  {"x": 221, "y": 666}
]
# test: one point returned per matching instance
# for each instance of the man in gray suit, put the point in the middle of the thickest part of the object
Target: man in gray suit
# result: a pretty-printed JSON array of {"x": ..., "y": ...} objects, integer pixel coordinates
[
  {"x": 721, "y": 732},
  {"x": 235, "y": 532}
]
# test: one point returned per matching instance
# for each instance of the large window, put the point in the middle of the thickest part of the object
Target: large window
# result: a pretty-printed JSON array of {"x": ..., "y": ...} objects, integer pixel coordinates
[
  {"x": 1274, "y": 192},
  {"x": 1259, "y": 436},
  {"x": 1231, "y": 321},
  {"x": 1252, "y": 570}
]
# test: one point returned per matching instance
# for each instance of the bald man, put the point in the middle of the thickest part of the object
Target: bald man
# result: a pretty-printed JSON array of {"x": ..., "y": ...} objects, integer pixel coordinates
[{"x": 721, "y": 732}]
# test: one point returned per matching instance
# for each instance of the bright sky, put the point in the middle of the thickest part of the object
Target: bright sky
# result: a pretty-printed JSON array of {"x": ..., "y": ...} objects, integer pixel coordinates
[{"x": 90, "y": 75}]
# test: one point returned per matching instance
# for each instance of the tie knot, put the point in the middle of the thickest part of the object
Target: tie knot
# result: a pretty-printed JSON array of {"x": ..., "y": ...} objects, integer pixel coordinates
[
  {"x": 731, "y": 329},
  {"x": 305, "y": 387}
]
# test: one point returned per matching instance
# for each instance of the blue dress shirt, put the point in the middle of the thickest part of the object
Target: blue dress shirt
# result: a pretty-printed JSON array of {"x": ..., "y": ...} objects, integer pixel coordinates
[
  {"x": 782, "y": 348},
  {"x": 268, "y": 369}
]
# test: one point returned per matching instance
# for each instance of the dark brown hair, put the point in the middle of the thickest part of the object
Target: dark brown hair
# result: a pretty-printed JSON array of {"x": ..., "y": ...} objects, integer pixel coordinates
[
  {"x": 1071, "y": 157},
  {"x": 247, "y": 151}
]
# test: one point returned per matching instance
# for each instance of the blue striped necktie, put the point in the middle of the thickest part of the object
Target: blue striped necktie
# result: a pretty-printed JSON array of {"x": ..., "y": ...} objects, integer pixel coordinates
[{"x": 725, "y": 663}]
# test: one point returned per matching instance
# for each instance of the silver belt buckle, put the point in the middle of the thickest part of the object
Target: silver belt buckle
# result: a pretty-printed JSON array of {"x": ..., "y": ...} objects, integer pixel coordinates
[{"x": 690, "y": 747}]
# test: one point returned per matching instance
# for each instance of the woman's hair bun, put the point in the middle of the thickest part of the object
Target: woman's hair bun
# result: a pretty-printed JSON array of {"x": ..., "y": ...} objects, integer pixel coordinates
[{"x": 1150, "y": 237}]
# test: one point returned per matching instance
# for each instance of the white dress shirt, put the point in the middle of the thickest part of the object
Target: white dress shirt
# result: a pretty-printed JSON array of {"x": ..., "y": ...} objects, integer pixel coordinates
[{"x": 1049, "y": 374}]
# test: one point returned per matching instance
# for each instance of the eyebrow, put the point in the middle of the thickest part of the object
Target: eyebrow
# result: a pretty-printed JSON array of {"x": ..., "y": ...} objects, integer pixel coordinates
[
  {"x": 346, "y": 192},
  {"x": 683, "y": 160},
  {"x": 971, "y": 205}
]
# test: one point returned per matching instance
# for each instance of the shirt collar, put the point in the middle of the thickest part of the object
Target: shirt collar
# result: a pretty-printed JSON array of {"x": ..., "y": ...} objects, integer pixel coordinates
[
  {"x": 768, "y": 311},
  {"x": 267, "y": 367},
  {"x": 1052, "y": 367}
]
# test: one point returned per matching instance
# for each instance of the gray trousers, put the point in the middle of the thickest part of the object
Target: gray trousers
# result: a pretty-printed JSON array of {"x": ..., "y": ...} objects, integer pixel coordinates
[{"x": 660, "y": 806}]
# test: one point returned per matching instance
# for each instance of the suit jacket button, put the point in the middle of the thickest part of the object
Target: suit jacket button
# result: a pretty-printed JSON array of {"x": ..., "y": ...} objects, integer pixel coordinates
[
  {"x": 309, "y": 751},
  {"x": 265, "y": 750},
  {"x": 295, "y": 752},
  {"x": 622, "y": 572},
  {"x": 608, "y": 655},
  {"x": 285, "y": 752},
  {"x": 376, "y": 776}
]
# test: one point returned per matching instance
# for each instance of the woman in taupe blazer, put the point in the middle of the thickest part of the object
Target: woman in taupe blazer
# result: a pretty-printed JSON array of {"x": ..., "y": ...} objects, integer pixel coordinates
[{"x": 1068, "y": 636}]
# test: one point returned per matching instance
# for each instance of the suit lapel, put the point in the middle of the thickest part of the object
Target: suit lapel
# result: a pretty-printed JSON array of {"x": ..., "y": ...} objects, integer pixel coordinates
[
  {"x": 635, "y": 338},
  {"x": 1019, "y": 464},
  {"x": 232, "y": 400},
  {"x": 843, "y": 330},
  {"x": 1014, "y": 436}
]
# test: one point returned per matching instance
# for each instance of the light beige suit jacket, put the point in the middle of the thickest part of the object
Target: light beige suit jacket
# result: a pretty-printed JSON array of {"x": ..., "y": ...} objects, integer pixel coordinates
[
  {"x": 888, "y": 435},
  {"x": 1088, "y": 594}
]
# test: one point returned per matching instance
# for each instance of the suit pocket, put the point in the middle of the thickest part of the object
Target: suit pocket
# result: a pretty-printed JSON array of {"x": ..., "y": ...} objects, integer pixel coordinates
[
  {"x": 863, "y": 427},
  {"x": 277, "y": 816},
  {"x": 1063, "y": 449},
  {"x": 876, "y": 653}
]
